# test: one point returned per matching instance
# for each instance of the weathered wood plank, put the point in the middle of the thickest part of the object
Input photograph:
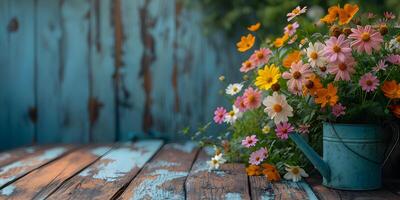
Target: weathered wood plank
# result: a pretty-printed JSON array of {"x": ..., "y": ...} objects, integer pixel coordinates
[
  {"x": 107, "y": 176},
  {"x": 230, "y": 182},
  {"x": 164, "y": 176},
  {"x": 13, "y": 171},
  {"x": 50, "y": 72},
  {"x": 20, "y": 153},
  {"x": 261, "y": 188},
  {"x": 17, "y": 96},
  {"x": 325, "y": 193},
  {"x": 102, "y": 102},
  {"x": 43, "y": 181}
]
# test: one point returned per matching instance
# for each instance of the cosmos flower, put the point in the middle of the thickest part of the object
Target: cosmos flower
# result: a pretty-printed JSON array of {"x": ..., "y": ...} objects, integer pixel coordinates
[
  {"x": 296, "y": 12},
  {"x": 342, "y": 69},
  {"x": 232, "y": 115},
  {"x": 297, "y": 75},
  {"x": 247, "y": 66},
  {"x": 338, "y": 110},
  {"x": 254, "y": 27},
  {"x": 283, "y": 129},
  {"x": 261, "y": 56},
  {"x": 315, "y": 54},
  {"x": 252, "y": 98},
  {"x": 239, "y": 103},
  {"x": 294, "y": 173},
  {"x": 368, "y": 82},
  {"x": 366, "y": 39},
  {"x": 337, "y": 49},
  {"x": 233, "y": 89},
  {"x": 290, "y": 29},
  {"x": 219, "y": 115},
  {"x": 277, "y": 108},
  {"x": 245, "y": 43},
  {"x": 250, "y": 141}
]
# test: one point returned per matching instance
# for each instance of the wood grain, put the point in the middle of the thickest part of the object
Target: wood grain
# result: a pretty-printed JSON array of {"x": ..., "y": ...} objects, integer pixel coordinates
[
  {"x": 230, "y": 182},
  {"x": 107, "y": 176},
  {"x": 43, "y": 181},
  {"x": 261, "y": 188},
  {"x": 16, "y": 170},
  {"x": 164, "y": 176},
  {"x": 20, "y": 153}
]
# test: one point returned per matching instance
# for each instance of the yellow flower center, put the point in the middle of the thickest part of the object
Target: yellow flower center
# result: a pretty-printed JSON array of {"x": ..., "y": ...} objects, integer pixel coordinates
[
  {"x": 277, "y": 108},
  {"x": 365, "y": 37},
  {"x": 269, "y": 80},
  {"x": 295, "y": 171},
  {"x": 314, "y": 55},
  {"x": 290, "y": 27},
  {"x": 232, "y": 113},
  {"x": 247, "y": 64},
  {"x": 235, "y": 89},
  {"x": 336, "y": 49},
  {"x": 296, "y": 11},
  {"x": 342, "y": 66},
  {"x": 296, "y": 75},
  {"x": 251, "y": 98},
  {"x": 214, "y": 162}
]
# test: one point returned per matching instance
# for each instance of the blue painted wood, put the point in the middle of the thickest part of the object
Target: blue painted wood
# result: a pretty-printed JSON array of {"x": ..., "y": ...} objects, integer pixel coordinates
[{"x": 17, "y": 73}]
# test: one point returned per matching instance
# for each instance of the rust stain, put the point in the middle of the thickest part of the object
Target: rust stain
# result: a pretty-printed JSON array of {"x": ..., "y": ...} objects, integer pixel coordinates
[
  {"x": 94, "y": 107},
  {"x": 33, "y": 114},
  {"x": 13, "y": 25},
  {"x": 148, "y": 57}
]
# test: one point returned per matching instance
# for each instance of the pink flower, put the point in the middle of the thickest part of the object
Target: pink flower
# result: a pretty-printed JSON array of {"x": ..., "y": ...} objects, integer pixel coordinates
[
  {"x": 261, "y": 56},
  {"x": 252, "y": 98},
  {"x": 297, "y": 75},
  {"x": 247, "y": 66},
  {"x": 369, "y": 82},
  {"x": 343, "y": 70},
  {"x": 256, "y": 158},
  {"x": 283, "y": 129},
  {"x": 250, "y": 141},
  {"x": 337, "y": 49},
  {"x": 389, "y": 15},
  {"x": 290, "y": 29},
  {"x": 394, "y": 59},
  {"x": 338, "y": 110},
  {"x": 263, "y": 151},
  {"x": 380, "y": 66},
  {"x": 366, "y": 39},
  {"x": 239, "y": 103},
  {"x": 219, "y": 115},
  {"x": 296, "y": 12},
  {"x": 304, "y": 128}
]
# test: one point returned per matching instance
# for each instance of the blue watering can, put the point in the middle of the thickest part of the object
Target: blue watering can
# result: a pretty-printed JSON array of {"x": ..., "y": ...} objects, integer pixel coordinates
[{"x": 352, "y": 156}]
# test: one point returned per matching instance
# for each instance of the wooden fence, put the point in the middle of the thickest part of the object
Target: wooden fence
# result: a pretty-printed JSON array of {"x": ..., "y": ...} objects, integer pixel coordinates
[{"x": 105, "y": 70}]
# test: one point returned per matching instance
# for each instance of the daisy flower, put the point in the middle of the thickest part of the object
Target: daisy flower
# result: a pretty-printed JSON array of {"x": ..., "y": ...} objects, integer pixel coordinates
[
  {"x": 394, "y": 43},
  {"x": 296, "y": 12},
  {"x": 283, "y": 129},
  {"x": 277, "y": 108},
  {"x": 294, "y": 173},
  {"x": 263, "y": 151},
  {"x": 266, "y": 129},
  {"x": 252, "y": 98},
  {"x": 297, "y": 75},
  {"x": 337, "y": 49},
  {"x": 233, "y": 89},
  {"x": 256, "y": 158},
  {"x": 261, "y": 56},
  {"x": 369, "y": 82},
  {"x": 343, "y": 70},
  {"x": 380, "y": 66},
  {"x": 233, "y": 115},
  {"x": 304, "y": 128},
  {"x": 366, "y": 39},
  {"x": 267, "y": 77},
  {"x": 338, "y": 110},
  {"x": 219, "y": 115},
  {"x": 216, "y": 162},
  {"x": 250, "y": 141},
  {"x": 394, "y": 59},
  {"x": 315, "y": 54},
  {"x": 290, "y": 29},
  {"x": 247, "y": 66},
  {"x": 239, "y": 103}
]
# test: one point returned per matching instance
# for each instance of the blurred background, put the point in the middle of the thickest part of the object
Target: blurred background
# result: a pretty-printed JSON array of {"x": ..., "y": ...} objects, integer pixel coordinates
[{"x": 103, "y": 70}]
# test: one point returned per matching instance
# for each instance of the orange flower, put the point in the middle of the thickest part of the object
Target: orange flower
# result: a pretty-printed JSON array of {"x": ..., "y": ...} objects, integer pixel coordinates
[
  {"x": 270, "y": 172},
  {"x": 281, "y": 41},
  {"x": 312, "y": 85},
  {"x": 333, "y": 12},
  {"x": 395, "y": 110},
  {"x": 246, "y": 42},
  {"x": 391, "y": 89},
  {"x": 253, "y": 170},
  {"x": 254, "y": 27},
  {"x": 293, "y": 57},
  {"x": 347, "y": 13},
  {"x": 327, "y": 96}
]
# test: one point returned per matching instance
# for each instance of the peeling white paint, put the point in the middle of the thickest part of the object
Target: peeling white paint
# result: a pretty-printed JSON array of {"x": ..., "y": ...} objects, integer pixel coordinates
[
  {"x": 209, "y": 151},
  {"x": 233, "y": 196},
  {"x": 163, "y": 163},
  {"x": 219, "y": 173},
  {"x": 151, "y": 188},
  {"x": 188, "y": 147},
  {"x": 99, "y": 151},
  {"x": 30, "y": 149},
  {"x": 5, "y": 156},
  {"x": 201, "y": 167},
  {"x": 7, "y": 191}
]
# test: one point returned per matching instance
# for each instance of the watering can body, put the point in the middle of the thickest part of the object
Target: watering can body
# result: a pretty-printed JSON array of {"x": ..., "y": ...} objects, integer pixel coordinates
[{"x": 352, "y": 156}]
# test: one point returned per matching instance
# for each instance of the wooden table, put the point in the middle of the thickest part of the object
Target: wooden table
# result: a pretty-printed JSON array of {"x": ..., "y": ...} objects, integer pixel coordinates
[{"x": 146, "y": 169}]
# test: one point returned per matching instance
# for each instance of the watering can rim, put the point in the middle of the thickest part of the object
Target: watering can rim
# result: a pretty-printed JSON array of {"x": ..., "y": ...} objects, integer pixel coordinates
[{"x": 351, "y": 124}]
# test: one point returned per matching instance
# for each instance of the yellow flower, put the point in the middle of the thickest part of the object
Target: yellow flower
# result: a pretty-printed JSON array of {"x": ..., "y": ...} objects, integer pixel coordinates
[
  {"x": 266, "y": 129},
  {"x": 293, "y": 57},
  {"x": 281, "y": 41},
  {"x": 347, "y": 13},
  {"x": 254, "y": 27},
  {"x": 246, "y": 42},
  {"x": 267, "y": 77}
]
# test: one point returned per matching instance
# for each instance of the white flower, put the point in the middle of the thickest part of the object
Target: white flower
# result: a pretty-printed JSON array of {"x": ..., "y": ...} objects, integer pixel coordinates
[
  {"x": 216, "y": 162},
  {"x": 233, "y": 115},
  {"x": 294, "y": 173},
  {"x": 277, "y": 108},
  {"x": 233, "y": 89},
  {"x": 394, "y": 43},
  {"x": 314, "y": 53},
  {"x": 296, "y": 12}
]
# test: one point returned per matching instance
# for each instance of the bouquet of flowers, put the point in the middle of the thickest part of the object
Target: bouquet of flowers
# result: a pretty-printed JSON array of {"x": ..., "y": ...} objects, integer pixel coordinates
[{"x": 344, "y": 70}]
